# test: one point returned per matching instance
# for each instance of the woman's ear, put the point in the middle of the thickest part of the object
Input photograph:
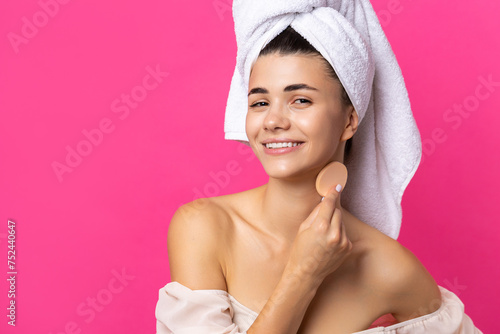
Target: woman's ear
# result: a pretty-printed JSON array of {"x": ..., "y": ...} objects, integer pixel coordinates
[{"x": 352, "y": 122}]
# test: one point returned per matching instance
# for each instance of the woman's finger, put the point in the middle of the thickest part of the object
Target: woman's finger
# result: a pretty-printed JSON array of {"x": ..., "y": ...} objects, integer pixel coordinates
[
  {"x": 328, "y": 205},
  {"x": 337, "y": 232},
  {"x": 309, "y": 220}
]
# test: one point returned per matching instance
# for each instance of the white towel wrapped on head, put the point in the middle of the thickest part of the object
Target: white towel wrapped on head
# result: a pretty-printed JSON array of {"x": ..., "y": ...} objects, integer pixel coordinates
[{"x": 386, "y": 149}]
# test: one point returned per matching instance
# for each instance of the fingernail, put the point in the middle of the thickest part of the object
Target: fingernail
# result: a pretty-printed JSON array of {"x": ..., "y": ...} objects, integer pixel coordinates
[{"x": 338, "y": 188}]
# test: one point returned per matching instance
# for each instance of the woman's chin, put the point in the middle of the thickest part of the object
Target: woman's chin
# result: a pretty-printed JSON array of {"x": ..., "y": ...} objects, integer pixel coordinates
[{"x": 289, "y": 173}]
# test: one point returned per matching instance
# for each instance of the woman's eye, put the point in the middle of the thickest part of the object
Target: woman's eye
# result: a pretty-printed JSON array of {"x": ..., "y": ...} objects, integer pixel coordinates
[
  {"x": 258, "y": 104},
  {"x": 302, "y": 101}
]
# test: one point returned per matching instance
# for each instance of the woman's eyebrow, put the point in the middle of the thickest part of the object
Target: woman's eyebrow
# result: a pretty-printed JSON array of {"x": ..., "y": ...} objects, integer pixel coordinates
[
  {"x": 289, "y": 88},
  {"x": 258, "y": 90}
]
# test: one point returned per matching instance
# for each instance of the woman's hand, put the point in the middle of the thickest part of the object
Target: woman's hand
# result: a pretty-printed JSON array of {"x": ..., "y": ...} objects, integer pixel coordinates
[{"x": 321, "y": 244}]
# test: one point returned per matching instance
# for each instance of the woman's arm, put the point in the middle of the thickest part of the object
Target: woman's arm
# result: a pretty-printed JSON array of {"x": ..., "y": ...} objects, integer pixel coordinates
[
  {"x": 193, "y": 252},
  {"x": 320, "y": 247}
]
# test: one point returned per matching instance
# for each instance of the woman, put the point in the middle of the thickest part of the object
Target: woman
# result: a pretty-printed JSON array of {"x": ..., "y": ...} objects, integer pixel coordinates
[{"x": 279, "y": 258}]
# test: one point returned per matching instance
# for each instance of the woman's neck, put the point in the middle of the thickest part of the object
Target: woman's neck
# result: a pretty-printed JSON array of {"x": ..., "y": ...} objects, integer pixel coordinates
[{"x": 286, "y": 204}]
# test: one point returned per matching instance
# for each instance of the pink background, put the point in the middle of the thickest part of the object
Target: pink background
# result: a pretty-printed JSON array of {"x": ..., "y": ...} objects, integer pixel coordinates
[{"x": 109, "y": 215}]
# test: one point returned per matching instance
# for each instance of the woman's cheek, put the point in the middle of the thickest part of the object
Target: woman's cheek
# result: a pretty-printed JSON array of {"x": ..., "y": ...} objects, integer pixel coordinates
[
  {"x": 250, "y": 124},
  {"x": 252, "y": 127}
]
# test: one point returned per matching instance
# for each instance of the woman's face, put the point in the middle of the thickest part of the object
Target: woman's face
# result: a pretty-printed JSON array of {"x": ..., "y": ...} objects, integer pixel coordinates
[{"x": 293, "y": 101}]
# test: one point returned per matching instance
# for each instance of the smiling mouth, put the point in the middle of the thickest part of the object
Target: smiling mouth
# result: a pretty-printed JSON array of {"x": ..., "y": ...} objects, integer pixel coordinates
[{"x": 282, "y": 145}]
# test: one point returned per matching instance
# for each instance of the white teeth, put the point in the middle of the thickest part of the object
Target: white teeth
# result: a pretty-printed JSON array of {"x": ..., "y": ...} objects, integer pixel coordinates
[{"x": 281, "y": 145}]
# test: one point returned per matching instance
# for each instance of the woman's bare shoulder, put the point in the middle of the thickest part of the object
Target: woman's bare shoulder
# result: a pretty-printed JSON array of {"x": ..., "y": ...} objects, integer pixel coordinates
[
  {"x": 200, "y": 213},
  {"x": 397, "y": 278},
  {"x": 217, "y": 210},
  {"x": 195, "y": 234},
  {"x": 196, "y": 241}
]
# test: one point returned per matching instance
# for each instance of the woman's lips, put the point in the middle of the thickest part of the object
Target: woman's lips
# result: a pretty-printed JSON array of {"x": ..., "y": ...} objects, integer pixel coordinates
[{"x": 282, "y": 150}]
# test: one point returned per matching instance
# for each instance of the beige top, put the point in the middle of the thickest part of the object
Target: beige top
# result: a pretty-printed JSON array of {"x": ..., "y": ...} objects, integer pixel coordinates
[{"x": 181, "y": 310}]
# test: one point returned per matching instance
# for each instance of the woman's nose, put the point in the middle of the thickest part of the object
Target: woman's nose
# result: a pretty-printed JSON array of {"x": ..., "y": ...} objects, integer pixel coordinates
[{"x": 276, "y": 118}]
